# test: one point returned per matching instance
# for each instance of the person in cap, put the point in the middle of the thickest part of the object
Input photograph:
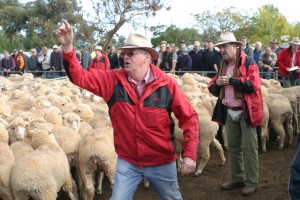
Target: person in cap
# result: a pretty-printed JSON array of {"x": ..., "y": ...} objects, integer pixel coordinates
[
  {"x": 288, "y": 61},
  {"x": 274, "y": 46},
  {"x": 44, "y": 60},
  {"x": 33, "y": 64},
  {"x": 184, "y": 62},
  {"x": 182, "y": 44},
  {"x": 168, "y": 60},
  {"x": 113, "y": 57},
  {"x": 162, "y": 50},
  {"x": 141, "y": 99},
  {"x": 100, "y": 61},
  {"x": 240, "y": 107},
  {"x": 196, "y": 56},
  {"x": 211, "y": 59},
  {"x": 56, "y": 63},
  {"x": 7, "y": 64},
  {"x": 85, "y": 56}
]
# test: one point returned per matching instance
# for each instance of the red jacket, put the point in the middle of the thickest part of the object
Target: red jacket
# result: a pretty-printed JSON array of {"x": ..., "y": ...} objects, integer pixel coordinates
[
  {"x": 143, "y": 128},
  {"x": 249, "y": 83},
  {"x": 285, "y": 59},
  {"x": 100, "y": 63}
]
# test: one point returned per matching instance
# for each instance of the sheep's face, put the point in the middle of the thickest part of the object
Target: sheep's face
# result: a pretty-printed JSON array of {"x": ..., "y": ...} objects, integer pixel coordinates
[
  {"x": 72, "y": 120},
  {"x": 19, "y": 132}
]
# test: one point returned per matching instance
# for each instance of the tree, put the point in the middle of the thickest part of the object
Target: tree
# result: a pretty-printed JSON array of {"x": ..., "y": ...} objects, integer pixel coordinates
[
  {"x": 172, "y": 34},
  {"x": 269, "y": 24},
  {"x": 110, "y": 16},
  {"x": 227, "y": 20}
]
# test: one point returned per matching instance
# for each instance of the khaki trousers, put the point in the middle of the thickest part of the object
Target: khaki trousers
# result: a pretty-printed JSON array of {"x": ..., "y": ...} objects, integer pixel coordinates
[{"x": 242, "y": 151}]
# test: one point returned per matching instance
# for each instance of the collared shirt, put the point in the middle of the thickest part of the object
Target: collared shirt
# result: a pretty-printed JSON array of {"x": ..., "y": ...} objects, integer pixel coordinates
[
  {"x": 229, "y": 99},
  {"x": 140, "y": 85}
]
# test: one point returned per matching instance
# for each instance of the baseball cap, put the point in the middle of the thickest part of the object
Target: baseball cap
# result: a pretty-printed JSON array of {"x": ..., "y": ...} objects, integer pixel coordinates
[{"x": 55, "y": 47}]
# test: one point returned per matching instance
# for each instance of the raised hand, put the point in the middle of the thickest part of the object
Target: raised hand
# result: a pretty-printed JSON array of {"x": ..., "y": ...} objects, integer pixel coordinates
[{"x": 65, "y": 36}]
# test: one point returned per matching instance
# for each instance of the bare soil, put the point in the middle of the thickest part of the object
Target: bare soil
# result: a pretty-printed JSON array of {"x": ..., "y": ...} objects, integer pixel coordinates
[{"x": 273, "y": 183}]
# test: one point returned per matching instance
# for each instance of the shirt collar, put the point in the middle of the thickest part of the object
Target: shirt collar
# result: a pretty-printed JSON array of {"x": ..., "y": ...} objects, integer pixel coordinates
[{"x": 148, "y": 78}]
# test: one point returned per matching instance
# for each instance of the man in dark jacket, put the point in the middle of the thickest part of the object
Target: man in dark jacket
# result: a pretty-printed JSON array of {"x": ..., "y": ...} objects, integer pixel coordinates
[
  {"x": 141, "y": 98},
  {"x": 294, "y": 182},
  {"x": 7, "y": 64},
  {"x": 33, "y": 64},
  {"x": 240, "y": 106},
  {"x": 56, "y": 63}
]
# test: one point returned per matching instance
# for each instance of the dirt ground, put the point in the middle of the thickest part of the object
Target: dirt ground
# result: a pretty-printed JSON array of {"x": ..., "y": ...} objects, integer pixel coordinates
[{"x": 273, "y": 182}]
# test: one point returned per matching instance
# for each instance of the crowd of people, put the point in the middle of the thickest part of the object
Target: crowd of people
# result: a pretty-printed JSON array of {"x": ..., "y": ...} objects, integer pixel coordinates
[{"x": 171, "y": 59}]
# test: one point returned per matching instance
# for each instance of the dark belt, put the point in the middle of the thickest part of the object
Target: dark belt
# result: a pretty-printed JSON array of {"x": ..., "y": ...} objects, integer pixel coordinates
[{"x": 235, "y": 108}]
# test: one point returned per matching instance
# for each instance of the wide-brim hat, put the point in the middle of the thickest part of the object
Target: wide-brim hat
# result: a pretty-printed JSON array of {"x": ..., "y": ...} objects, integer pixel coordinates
[
  {"x": 274, "y": 41},
  {"x": 226, "y": 38},
  {"x": 139, "y": 41},
  {"x": 98, "y": 48},
  {"x": 295, "y": 40}
]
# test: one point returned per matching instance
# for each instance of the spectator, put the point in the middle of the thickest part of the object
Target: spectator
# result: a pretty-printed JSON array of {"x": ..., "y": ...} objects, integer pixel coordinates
[
  {"x": 7, "y": 64},
  {"x": 240, "y": 108},
  {"x": 85, "y": 56},
  {"x": 211, "y": 60},
  {"x": 20, "y": 64},
  {"x": 246, "y": 47},
  {"x": 44, "y": 59},
  {"x": 288, "y": 58},
  {"x": 56, "y": 63},
  {"x": 33, "y": 65},
  {"x": 274, "y": 46},
  {"x": 92, "y": 51},
  {"x": 101, "y": 61},
  {"x": 267, "y": 62},
  {"x": 196, "y": 55},
  {"x": 141, "y": 99},
  {"x": 181, "y": 46},
  {"x": 257, "y": 51},
  {"x": 169, "y": 60},
  {"x": 184, "y": 61},
  {"x": 161, "y": 52},
  {"x": 113, "y": 58},
  {"x": 15, "y": 55}
]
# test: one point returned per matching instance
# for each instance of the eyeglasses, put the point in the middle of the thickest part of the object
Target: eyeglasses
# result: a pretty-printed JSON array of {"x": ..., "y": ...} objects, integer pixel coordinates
[{"x": 131, "y": 53}]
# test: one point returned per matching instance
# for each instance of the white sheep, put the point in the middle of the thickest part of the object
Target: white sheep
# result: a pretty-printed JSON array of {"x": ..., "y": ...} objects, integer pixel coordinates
[
  {"x": 42, "y": 173},
  {"x": 97, "y": 153},
  {"x": 280, "y": 116},
  {"x": 7, "y": 160}
]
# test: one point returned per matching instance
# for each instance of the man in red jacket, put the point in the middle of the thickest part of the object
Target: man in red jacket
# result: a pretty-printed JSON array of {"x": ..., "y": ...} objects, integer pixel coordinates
[
  {"x": 240, "y": 107},
  {"x": 289, "y": 62},
  {"x": 141, "y": 98}
]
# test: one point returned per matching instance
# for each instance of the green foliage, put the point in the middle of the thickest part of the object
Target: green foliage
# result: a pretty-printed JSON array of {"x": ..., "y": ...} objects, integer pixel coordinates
[
  {"x": 173, "y": 34},
  {"x": 269, "y": 24}
]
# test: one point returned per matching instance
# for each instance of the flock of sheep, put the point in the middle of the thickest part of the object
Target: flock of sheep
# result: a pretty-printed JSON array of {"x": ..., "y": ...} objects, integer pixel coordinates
[{"x": 48, "y": 127}]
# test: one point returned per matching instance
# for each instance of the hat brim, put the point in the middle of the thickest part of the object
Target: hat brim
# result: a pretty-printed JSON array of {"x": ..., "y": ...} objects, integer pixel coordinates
[
  {"x": 152, "y": 51},
  {"x": 238, "y": 43},
  {"x": 294, "y": 43}
]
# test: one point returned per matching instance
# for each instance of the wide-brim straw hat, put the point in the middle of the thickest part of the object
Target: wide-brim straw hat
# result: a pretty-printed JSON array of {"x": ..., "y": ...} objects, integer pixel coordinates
[
  {"x": 226, "y": 38},
  {"x": 295, "y": 40},
  {"x": 98, "y": 48},
  {"x": 139, "y": 41}
]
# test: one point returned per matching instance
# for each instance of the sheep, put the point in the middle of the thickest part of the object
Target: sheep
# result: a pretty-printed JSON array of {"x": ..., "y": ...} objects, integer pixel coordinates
[
  {"x": 72, "y": 120},
  {"x": 42, "y": 173},
  {"x": 265, "y": 128},
  {"x": 280, "y": 117},
  {"x": 208, "y": 130},
  {"x": 84, "y": 128},
  {"x": 53, "y": 115},
  {"x": 189, "y": 84},
  {"x": 292, "y": 97},
  {"x": 97, "y": 153},
  {"x": 7, "y": 160},
  {"x": 20, "y": 149},
  {"x": 17, "y": 130}
]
